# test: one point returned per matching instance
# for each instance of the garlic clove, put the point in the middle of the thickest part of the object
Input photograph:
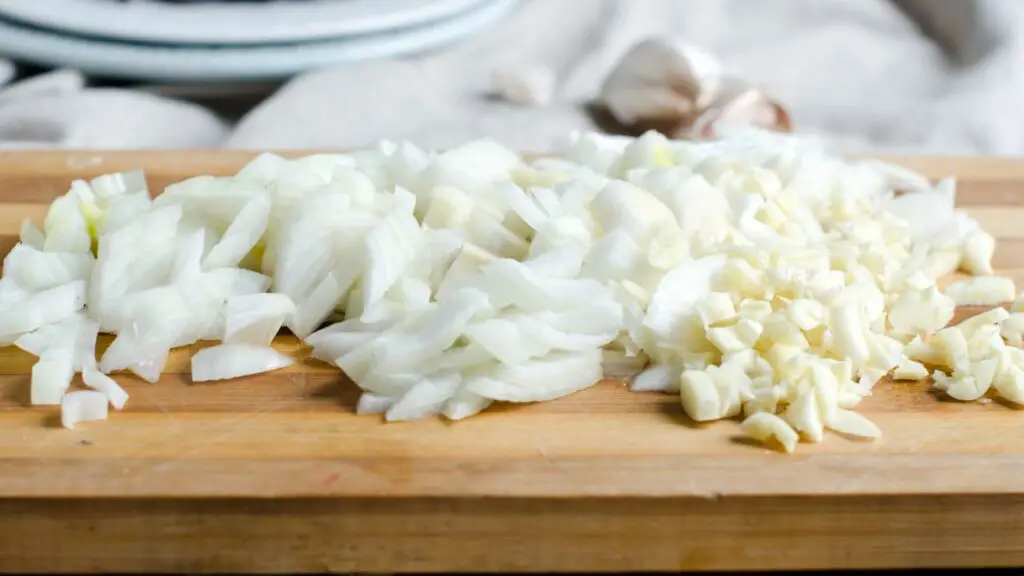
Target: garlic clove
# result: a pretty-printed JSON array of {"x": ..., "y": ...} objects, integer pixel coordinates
[
  {"x": 764, "y": 426},
  {"x": 660, "y": 78},
  {"x": 745, "y": 106},
  {"x": 532, "y": 85}
]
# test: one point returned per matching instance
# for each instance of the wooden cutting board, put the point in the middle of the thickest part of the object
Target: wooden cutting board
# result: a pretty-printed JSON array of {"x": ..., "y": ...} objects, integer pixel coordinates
[{"x": 275, "y": 473}]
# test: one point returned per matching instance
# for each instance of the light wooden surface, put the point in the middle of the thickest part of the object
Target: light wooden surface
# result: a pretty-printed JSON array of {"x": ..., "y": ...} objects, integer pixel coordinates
[{"x": 275, "y": 474}]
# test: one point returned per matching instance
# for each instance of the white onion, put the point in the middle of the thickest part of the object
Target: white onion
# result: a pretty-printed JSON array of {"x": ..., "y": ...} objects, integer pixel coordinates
[
  {"x": 38, "y": 270},
  {"x": 236, "y": 360},
  {"x": 82, "y": 406},
  {"x": 101, "y": 382},
  {"x": 66, "y": 228},
  {"x": 426, "y": 398},
  {"x": 241, "y": 236},
  {"x": 373, "y": 403},
  {"x": 31, "y": 236},
  {"x": 42, "y": 339},
  {"x": 561, "y": 372},
  {"x": 51, "y": 376},
  {"x": 43, "y": 308},
  {"x": 465, "y": 403},
  {"x": 327, "y": 295},
  {"x": 256, "y": 318},
  {"x": 109, "y": 186}
]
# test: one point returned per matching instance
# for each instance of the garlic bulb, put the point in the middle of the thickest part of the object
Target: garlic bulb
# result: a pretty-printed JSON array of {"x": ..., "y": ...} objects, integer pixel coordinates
[{"x": 680, "y": 90}]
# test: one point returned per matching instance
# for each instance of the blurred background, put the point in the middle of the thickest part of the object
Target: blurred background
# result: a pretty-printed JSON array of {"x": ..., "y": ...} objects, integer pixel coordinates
[{"x": 924, "y": 76}]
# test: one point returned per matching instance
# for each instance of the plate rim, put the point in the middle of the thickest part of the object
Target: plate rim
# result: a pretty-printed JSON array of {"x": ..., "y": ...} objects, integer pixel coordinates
[
  {"x": 234, "y": 64},
  {"x": 178, "y": 22}
]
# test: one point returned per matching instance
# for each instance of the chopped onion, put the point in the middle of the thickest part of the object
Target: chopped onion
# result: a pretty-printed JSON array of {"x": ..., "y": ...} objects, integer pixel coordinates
[
  {"x": 373, "y": 403},
  {"x": 426, "y": 398},
  {"x": 256, "y": 318},
  {"x": 43, "y": 308},
  {"x": 51, "y": 376},
  {"x": 243, "y": 234},
  {"x": 235, "y": 360},
  {"x": 324, "y": 299},
  {"x": 741, "y": 269},
  {"x": 101, "y": 382},
  {"x": 31, "y": 236},
  {"x": 556, "y": 375},
  {"x": 465, "y": 403},
  {"x": 38, "y": 270},
  {"x": 82, "y": 406}
]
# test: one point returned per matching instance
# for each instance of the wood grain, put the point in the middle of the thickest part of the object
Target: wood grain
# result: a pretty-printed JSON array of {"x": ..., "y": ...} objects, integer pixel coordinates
[{"x": 276, "y": 474}]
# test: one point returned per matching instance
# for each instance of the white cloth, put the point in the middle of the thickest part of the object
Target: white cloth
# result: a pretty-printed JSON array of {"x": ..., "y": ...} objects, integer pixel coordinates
[
  {"x": 56, "y": 110},
  {"x": 908, "y": 75},
  {"x": 858, "y": 71},
  {"x": 7, "y": 71}
]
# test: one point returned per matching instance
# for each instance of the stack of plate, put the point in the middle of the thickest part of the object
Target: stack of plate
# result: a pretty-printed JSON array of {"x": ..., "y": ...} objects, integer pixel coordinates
[{"x": 230, "y": 41}]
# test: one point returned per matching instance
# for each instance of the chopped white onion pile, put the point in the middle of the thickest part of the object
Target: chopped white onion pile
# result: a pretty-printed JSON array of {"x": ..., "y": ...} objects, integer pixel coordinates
[{"x": 754, "y": 275}]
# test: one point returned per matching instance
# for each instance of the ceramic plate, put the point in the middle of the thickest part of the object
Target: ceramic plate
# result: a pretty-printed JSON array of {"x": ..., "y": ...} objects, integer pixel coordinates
[
  {"x": 236, "y": 63},
  {"x": 148, "y": 21}
]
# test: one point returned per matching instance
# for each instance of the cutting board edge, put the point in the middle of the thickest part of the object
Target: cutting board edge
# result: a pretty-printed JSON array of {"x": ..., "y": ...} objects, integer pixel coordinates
[
  {"x": 842, "y": 475},
  {"x": 427, "y": 535}
]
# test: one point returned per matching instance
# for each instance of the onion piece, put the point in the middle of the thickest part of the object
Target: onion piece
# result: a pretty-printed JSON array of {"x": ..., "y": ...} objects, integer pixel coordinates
[
  {"x": 44, "y": 308},
  {"x": 188, "y": 256},
  {"x": 66, "y": 228},
  {"x": 324, "y": 298},
  {"x": 11, "y": 293},
  {"x": 151, "y": 323},
  {"x": 256, "y": 318},
  {"x": 82, "y": 406},
  {"x": 373, "y": 403},
  {"x": 86, "y": 336},
  {"x": 426, "y": 398},
  {"x": 235, "y": 360},
  {"x": 101, "y": 382},
  {"x": 121, "y": 210},
  {"x": 31, "y": 236},
  {"x": 51, "y": 376},
  {"x": 333, "y": 346},
  {"x": 557, "y": 374},
  {"x": 116, "y": 184},
  {"x": 38, "y": 341},
  {"x": 241, "y": 236},
  {"x": 437, "y": 331},
  {"x": 389, "y": 249},
  {"x": 149, "y": 369},
  {"x": 38, "y": 270},
  {"x": 465, "y": 403}
]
